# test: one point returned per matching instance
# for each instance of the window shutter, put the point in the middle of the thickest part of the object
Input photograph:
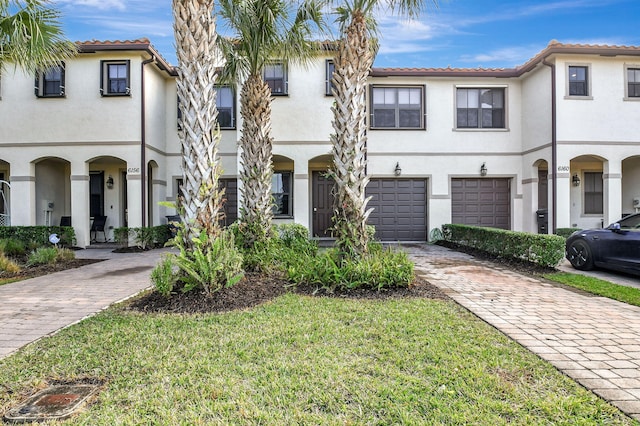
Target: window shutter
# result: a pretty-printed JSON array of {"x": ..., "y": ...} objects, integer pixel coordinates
[
  {"x": 62, "y": 72},
  {"x": 36, "y": 85},
  {"x": 102, "y": 66}
]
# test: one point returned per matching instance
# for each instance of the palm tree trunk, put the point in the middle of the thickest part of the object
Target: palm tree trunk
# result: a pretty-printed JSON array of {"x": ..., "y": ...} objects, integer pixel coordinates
[
  {"x": 256, "y": 160},
  {"x": 200, "y": 201},
  {"x": 352, "y": 64}
]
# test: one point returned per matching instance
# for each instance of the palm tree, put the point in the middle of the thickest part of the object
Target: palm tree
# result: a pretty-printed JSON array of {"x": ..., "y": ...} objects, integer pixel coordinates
[
  {"x": 353, "y": 60},
  {"x": 31, "y": 36},
  {"x": 263, "y": 31},
  {"x": 201, "y": 200}
]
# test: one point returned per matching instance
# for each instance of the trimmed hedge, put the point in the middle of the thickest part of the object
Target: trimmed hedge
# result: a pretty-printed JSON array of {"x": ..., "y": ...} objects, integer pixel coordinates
[
  {"x": 542, "y": 249},
  {"x": 153, "y": 236},
  {"x": 566, "y": 232},
  {"x": 39, "y": 234}
]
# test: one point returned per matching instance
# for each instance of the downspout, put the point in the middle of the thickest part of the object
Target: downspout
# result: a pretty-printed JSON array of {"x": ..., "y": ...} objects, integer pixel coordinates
[
  {"x": 143, "y": 145},
  {"x": 554, "y": 145}
]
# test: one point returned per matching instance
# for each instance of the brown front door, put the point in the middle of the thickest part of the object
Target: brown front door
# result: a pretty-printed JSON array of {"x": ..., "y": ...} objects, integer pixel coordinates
[{"x": 322, "y": 204}]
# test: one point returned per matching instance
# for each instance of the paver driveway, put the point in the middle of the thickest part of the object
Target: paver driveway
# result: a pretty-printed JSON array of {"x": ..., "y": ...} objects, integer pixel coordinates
[{"x": 594, "y": 340}]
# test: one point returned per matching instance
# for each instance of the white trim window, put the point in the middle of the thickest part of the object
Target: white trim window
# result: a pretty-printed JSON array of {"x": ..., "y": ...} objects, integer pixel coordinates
[
  {"x": 115, "y": 78},
  {"x": 578, "y": 81},
  {"x": 225, "y": 101},
  {"x": 330, "y": 68},
  {"x": 282, "y": 194},
  {"x": 50, "y": 83},
  {"x": 275, "y": 75},
  {"x": 593, "y": 192},
  {"x": 480, "y": 108},
  {"x": 632, "y": 80},
  {"x": 397, "y": 107}
]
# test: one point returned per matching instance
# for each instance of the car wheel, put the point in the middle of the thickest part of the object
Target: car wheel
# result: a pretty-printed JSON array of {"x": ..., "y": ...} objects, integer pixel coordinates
[{"x": 579, "y": 254}]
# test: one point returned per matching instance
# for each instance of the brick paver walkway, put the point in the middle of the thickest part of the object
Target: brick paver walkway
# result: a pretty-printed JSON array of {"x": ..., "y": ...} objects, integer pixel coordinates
[
  {"x": 594, "y": 340},
  {"x": 37, "y": 307}
]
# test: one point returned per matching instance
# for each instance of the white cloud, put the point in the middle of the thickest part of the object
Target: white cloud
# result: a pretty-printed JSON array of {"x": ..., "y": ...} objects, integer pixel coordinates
[
  {"x": 98, "y": 4},
  {"x": 508, "y": 55}
]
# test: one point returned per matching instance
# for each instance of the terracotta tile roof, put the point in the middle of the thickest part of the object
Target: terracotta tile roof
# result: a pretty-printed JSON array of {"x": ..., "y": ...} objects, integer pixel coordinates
[
  {"x": 554, "y": 47},
  {"x": 142, "y": 44}
]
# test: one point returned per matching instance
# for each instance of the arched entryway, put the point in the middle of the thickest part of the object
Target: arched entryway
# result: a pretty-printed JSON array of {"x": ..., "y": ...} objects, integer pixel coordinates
[
  {"x": 108, "y": 192},
  {"x": 53, "y": 190},
  {"x": 631, "y": 185},
  {"x": 587, "y": 199}
]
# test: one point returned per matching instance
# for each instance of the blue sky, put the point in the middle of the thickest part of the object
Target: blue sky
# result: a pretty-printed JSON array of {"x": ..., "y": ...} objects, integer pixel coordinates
[{"x": 459, "y": 33}]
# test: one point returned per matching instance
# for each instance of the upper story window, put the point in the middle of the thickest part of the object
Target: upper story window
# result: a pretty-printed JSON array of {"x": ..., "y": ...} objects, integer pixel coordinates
[
  {"x": 480, "y": 108},
  {"x": 281, "y": 186},
  {"x": 579, "y": 80},
  {"x": 397, "y": 107},
  {"x": 633, "y": 82},
  {"x": 275, "y": 75},
  {"x": 225, "y": 105},
  {"x": 115, "y": 78},
  {"x": 330, "y": 67},
  {"x": 50, "y": 83}
]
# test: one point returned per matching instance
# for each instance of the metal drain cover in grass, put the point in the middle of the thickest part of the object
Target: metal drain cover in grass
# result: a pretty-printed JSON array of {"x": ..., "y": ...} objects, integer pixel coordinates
[{"x": 53, "y": 403}]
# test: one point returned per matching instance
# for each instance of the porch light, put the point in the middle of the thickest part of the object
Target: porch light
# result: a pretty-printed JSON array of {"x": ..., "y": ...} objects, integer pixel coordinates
[
  {"x": 397, "y": 170},
  {"x": 110, "y": 182},
  {"x": 483, "y": 170},
  {"x": 575, "y": 180}
]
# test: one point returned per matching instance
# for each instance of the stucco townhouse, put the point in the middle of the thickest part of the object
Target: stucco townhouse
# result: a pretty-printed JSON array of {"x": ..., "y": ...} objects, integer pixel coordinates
[{"x": 490, "y": 147}]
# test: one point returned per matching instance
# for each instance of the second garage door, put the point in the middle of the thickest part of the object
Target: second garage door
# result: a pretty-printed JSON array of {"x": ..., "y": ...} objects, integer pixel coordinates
[
  {"x": 400, "y": 209},
  {"x": 481, "y": 202}
]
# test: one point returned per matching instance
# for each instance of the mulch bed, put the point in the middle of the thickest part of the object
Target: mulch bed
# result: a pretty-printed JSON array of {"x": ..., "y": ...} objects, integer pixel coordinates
[
  {"x": 38, "y": 270},
  {"x": 255, "y": 289}
]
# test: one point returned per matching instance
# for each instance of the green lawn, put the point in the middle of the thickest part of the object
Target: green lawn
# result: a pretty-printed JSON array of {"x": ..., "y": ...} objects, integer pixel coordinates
[
  {"x": 597, "y": 286},
  {"x": 302, "y": 360}
]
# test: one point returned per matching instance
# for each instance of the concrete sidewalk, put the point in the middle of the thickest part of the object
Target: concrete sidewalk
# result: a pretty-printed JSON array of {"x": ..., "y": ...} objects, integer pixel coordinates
[
  {"x": 594, "y": 340},
  {"x": 37, "y": 307}
]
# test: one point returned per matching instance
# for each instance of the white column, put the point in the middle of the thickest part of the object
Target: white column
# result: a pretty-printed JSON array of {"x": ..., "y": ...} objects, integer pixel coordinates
[
  {"x": 80, "y": 215},
  {"x": 563, "y": 200},
  {"x": 23, "y": 194},
  {"x": 301, "y": 196},
  {"x": 612, "y": 191},
  {"x": 134, "y": 204}
]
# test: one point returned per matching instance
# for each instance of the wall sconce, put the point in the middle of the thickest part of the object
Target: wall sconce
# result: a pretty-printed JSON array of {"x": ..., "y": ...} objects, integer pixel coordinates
[
  {"x": 397, "y": 170},
  {"x": 110, "y": 182},
  {"x": 483, "y": 170},
  {"x": 575, "y": 180}
]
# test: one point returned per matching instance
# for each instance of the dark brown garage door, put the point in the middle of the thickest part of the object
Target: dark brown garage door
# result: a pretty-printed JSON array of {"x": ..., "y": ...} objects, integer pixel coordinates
[
  {"x": 400, "y": 209},
  {"x": 481, "y": 202},
  {"x": 231, "y": 200}
]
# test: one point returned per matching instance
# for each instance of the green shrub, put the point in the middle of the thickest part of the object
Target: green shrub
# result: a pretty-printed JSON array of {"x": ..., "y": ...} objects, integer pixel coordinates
[
  {"x": 542, "y": 249},
  {"x": 566, "y": 232},
  {"x": 121, "y": 235},
  {"x": 12, "y": 247},
  {"x": 143, "y": 237},
  {"x": 161, "y": 234},
  {"x": 39, "y": 235},
  {"x": 65, "y": 255},
  {"x": 210, "y": 264},
  {"x": 379, "y": 269},
  {"x": 43, "y": 256},
  {"x": 164, "y": 276},
  {"x": 8, "y": 265}
]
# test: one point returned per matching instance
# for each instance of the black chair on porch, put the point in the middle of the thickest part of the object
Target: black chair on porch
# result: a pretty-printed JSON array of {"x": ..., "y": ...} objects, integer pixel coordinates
[{"x": 98, "y": 225}]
